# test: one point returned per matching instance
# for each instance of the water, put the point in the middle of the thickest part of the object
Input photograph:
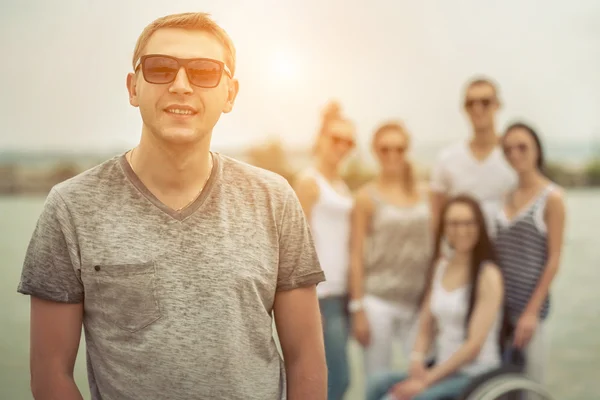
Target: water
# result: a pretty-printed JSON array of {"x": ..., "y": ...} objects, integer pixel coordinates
[{"x": 574, "y": 347}]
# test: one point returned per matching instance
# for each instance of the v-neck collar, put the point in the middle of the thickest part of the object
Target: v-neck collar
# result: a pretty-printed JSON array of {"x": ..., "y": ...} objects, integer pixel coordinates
[
  {"x": 527, "y": 207},
  {"x": 489, "y": 158},
  {"x": 185, "y": 212}
]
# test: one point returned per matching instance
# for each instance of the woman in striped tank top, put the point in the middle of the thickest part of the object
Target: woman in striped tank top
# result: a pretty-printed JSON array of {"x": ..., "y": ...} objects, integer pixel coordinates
[
  {"x": 391, "y": 252},
  {"x": 529, "y": 243},
  {"x": 327, "y": 204}
]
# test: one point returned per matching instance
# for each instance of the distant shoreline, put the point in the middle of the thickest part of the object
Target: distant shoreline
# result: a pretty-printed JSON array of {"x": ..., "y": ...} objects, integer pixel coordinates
[{"x": 36, "y": 173}]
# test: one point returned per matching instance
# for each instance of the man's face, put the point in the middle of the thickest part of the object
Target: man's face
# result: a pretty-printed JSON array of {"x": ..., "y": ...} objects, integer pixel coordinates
[
  {"x": 180, "y": 112},
  {"x": 481, "y": 105}
]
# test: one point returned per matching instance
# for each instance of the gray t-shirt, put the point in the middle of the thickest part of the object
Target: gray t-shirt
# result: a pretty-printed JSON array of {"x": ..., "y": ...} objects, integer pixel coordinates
[{"x": 177, "y": 305}]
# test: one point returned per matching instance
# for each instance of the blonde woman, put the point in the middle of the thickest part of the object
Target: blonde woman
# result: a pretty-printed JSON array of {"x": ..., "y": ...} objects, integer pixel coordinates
[
  {"x": 391, "y": 251},
  {"x": 327, "y": 204}
]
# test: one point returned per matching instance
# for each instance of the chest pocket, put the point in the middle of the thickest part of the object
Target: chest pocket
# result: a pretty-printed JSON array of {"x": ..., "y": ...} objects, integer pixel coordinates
[{"x": 127, "y": 294}]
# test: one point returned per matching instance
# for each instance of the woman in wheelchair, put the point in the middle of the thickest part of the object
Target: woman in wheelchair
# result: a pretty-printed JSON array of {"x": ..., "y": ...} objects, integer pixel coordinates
[{"x": 461, "y": 313}]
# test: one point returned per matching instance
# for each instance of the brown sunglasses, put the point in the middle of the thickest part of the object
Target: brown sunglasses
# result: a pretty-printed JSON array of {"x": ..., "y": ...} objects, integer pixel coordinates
[
  {"x": 202, "y": 72},
  {"x": 385, "y": 150},
  {"x": 484, "y": 102},
  {"x": 337, "y": 140},
  {"x": 521, "y": 147}
]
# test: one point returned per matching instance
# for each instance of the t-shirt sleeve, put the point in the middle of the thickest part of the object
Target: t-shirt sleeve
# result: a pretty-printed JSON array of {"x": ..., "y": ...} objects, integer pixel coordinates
[
  {"x": 440, "y": 181},
  {"x": 51, "y": 266},
  {"x": 298, "y": 262}
]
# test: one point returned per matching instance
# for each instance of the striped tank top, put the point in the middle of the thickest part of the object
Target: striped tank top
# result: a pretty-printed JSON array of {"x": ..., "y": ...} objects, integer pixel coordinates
[{"x": 522, "y": 247}]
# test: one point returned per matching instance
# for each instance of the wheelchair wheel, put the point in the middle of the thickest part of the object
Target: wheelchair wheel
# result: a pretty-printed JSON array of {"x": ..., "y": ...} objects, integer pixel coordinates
[{"x": 502, "y": 386}]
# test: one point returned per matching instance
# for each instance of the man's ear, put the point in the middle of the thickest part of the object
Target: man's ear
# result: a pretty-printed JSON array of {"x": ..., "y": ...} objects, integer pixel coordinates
[
  {"x": 132, "y": 89},
  {"x": 232, "y": 92}
]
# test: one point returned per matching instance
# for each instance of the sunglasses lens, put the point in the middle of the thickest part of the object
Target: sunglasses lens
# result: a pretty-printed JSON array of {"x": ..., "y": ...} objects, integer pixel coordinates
[
  {"x": 205, "y": 73},
  {"x": 342, "y": 141},
  {"x": 485, "y": 102},
  {"x": 387, "y": 150},
  {"x": 159, "y": 69}
]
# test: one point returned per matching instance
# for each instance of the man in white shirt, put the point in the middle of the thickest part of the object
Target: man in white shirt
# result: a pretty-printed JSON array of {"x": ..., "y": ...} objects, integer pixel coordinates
[{"x": 476, "y": 167}]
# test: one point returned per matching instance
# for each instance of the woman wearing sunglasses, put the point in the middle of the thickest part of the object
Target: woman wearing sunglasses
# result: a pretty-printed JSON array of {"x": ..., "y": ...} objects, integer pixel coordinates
[
  {"x": 529, "y": 244},
  {"x": 461, "y": 312},
  {"x": 327, "y": 203},
  {"x": 391, "y": 252}
]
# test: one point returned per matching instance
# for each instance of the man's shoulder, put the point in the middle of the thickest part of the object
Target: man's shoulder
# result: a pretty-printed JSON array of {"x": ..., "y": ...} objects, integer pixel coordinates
[
  {"x": 250, "y": 177},
  {"x": 91, "y": 182},
  {"x": 452, "y": 152}
]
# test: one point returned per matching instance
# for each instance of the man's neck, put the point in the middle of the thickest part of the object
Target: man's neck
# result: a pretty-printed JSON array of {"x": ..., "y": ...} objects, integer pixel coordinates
[
  {"x": 485, "y": 139},
  {"x": 170, "y": 169}
]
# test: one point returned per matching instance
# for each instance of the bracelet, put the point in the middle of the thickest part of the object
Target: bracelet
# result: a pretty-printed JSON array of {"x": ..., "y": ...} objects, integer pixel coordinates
[{"x": 355, "y": 305}]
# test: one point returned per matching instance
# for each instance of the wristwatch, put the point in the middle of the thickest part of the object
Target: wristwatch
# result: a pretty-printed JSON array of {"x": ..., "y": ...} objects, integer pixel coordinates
[{"x": 355, "y": 305}]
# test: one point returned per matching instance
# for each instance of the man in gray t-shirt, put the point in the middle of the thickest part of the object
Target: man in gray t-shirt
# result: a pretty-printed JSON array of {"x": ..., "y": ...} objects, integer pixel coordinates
[{"x": 173, "y": 257}]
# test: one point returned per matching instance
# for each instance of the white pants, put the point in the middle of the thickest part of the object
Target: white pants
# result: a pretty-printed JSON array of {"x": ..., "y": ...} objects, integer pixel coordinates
[
  {"x": 387, "y": 322},
  {"x": 535, "y": 357}
]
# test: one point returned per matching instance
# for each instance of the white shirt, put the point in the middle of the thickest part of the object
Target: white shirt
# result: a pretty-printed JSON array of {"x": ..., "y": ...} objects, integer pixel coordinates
[
  {"x": 449, "y": 309},
  {"x": 457, "y": 171},
  {"x": 330, "y": 227}
]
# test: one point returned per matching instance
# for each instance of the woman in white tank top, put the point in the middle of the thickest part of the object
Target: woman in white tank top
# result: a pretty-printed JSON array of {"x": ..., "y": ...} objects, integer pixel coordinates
[
  {"x": 327, "y": 203},
  {"x": 391, "y": 252},
  {"x": 462, "y": 312}
]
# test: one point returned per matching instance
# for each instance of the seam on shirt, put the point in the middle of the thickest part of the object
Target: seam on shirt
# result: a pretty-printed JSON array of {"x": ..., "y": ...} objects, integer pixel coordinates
[
  {"x": 304, "y": 280},
  {"x": 72, "y": 224},
  {"x": 63, "y": 297}
]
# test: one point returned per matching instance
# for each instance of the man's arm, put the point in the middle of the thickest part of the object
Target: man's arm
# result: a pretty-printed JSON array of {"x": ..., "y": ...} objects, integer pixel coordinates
[
  {"x": 55, "y": 335},
  {"x": 50, "y": 277},
  {"x": 298, "y": 322},
  {"x": 296, "y": 306}
]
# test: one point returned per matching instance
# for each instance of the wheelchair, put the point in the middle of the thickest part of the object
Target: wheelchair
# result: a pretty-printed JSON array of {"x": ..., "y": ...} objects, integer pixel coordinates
[{"x": 504, "y": 383}]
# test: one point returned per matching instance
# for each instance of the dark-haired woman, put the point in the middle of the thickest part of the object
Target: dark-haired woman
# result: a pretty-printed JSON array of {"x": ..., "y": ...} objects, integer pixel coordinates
[
  {"x": 529, "y": 244},
  {"x": 327, "y": 204},
  {"x": 391, "y": 252},
  {"x": 461, "y": 311}
]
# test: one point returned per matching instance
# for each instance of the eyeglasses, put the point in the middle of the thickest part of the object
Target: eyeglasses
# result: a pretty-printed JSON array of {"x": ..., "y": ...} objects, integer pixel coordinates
[
  {"x": 485, "y": 102},
  {"x": 337, "y": 140},
  {"x": 202, "y": 72},
  {"x": 385, "y": 150},
  {"x": 456, "y": 223},
  {"x": 521, "y": 147}
]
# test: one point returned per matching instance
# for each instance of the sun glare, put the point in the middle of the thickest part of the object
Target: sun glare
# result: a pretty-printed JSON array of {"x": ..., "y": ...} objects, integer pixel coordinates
[{"x": 284, "y": 67}]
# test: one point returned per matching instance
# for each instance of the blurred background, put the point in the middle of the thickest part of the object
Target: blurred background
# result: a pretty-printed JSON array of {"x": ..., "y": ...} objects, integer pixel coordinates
[{"x": 64, "y": 108}]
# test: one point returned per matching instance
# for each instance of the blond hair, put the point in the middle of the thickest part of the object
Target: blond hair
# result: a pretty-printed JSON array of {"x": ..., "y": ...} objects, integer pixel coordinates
[
  {"x": 190, "y": 21},
  {"x": 332, "y": 112},
  {"x": 409, "y": 180}
]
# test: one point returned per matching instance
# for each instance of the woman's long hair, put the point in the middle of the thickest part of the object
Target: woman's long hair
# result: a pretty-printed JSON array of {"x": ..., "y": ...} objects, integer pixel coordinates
[
  {"x": 482, "y": 252},
  {"x": 408, "y": 178},
  {"x": 540, "y": 162}
]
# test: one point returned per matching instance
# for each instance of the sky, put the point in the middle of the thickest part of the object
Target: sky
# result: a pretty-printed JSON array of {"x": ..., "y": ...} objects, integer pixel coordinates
[{"x": 65, "y": 62}]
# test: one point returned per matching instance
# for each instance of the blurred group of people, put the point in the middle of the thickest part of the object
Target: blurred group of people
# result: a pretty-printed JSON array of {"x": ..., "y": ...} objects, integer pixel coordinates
[{"x": 458, "y": 270}]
